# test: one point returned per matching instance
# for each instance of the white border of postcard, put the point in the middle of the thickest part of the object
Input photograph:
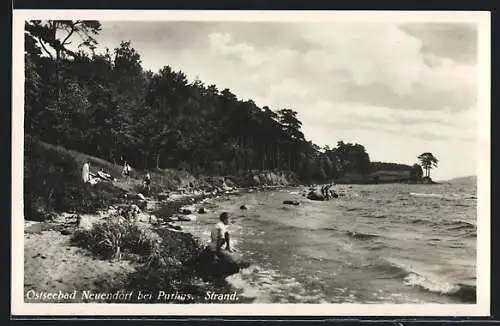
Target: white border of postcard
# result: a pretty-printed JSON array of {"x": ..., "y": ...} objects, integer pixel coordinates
[{"x": 481, "y": 308}]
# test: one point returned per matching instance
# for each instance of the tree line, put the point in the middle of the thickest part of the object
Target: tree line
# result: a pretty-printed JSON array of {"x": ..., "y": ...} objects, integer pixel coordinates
[{"x": 107, "y": 105}]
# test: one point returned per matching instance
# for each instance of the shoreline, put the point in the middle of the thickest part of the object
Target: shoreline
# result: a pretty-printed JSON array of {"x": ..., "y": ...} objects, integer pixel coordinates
[{"x": 52, "y": 261}]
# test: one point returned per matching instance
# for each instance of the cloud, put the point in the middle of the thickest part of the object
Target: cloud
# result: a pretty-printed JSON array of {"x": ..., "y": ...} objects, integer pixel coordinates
[
  {"x": 377, "y": 64},
  {"x": 380, "y": 64},
  {"x": 435, "y": 126},
  {"x": 247, "y": 54},
  {"x": 455, "y": 41}
]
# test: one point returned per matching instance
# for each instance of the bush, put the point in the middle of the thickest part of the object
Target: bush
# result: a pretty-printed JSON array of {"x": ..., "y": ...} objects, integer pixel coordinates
[{"x": 116, "y": 236}]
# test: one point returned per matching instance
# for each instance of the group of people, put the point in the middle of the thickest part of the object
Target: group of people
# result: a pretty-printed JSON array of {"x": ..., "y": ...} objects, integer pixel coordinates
[
  {"x": 327, "y": 192},
  {"x": 146, "y": 181}
]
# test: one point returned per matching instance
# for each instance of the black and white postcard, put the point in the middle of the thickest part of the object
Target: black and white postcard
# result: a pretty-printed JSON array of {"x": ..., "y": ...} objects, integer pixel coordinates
[{"x": 251, "y": 163}]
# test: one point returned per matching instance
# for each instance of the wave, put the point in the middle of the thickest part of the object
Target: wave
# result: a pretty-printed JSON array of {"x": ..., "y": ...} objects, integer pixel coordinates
[
  {"x": 463, "y": 292},
  {"x": 457, "y": 225},
  {"x": 378, "y": 246},
  {"x": 329, "y": 228},
  {"x": 421, "y": 221},
  {"x": 428, "y": 282},
  {"x": 449, "y": 196},
  {"x": 361, "y": 236},
  {"x": 376, "y": 216},
  {"x": 282, "y": 226},
  {"x": 264, "y": 285},
  {"x": 421, "y": 194},
  {"x": 461, "y": 205},
  {"x": 454, "y": 225}
]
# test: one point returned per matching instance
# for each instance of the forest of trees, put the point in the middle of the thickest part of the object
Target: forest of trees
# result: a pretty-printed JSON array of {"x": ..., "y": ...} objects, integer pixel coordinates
[{"x": 107, "y": 105}]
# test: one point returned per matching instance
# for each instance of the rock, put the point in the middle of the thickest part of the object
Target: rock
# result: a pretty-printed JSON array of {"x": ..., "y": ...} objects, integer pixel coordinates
[
  {"x": 142, "y": 204},
  {"x": 202, "y": 210},
  {"x": 185, "y": 218},
  {"x": 135, "y": 209},
  {"x": 163, "y": 196},
  {"x": 227, "y": 263},
  {"x": 243, "y": 207},
  {"x": 175, "y": 227},
  {"x": 291, "y": 202},
  {"x": 140, "y": 196},
  {"x": 186, "y": 210},
  {"x": 170, "y": 219},
  {"x": 65, "y": 232},
  {"x": 314, "y": 195},
  {"x": 153, "y": 219}
]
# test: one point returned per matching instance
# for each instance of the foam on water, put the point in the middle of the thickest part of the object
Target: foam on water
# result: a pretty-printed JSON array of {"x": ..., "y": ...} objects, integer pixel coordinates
[{"x": 270, "y": 286}]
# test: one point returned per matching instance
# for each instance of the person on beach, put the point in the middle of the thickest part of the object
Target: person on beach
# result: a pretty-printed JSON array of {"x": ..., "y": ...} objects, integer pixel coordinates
[
  {"x": 331, "y": 193},
  {"x": 219, "y": 235},
  {"x": 147, "y": 181},
  {"x": 126, "y": 170},
  {"x": 324, "y": 192},
  {"x": 86, "y": 172}
]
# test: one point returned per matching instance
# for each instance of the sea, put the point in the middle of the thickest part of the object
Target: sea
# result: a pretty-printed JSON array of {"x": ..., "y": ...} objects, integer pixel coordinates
[{"x": 392, "y": 243}]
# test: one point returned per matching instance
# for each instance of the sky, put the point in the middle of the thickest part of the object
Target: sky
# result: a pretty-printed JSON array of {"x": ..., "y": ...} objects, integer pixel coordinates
[{"x": 398, "y": 89}]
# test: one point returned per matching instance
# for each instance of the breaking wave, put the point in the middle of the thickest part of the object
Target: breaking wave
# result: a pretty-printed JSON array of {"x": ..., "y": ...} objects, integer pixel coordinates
[{"x": 427, "y": 281}]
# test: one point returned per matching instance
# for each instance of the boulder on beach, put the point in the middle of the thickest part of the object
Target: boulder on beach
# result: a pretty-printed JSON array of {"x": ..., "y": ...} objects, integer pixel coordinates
[
  {"x": 142, "y": 204},
  {"x": 315, "y": 195},
  {"x": 243, "y": 207},
  {"x": 291, "y": 202},
  {"x": 66, "y": 232},
  {"x": 185, "y": 218},
  {"x": 140, "y": 196},
  {"x": 222, "y": 265},
  {"x": 153, "y": 219},
  {"x": 173, "y": 226},
  {"x": 163, "y": 196},
  {"x": 187, "y": 210},
  {"x": 202, "y": 210}
]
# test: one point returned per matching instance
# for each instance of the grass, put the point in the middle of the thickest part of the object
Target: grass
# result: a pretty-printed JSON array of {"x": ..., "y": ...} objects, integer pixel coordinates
[{"x": 116, "y": 236}]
